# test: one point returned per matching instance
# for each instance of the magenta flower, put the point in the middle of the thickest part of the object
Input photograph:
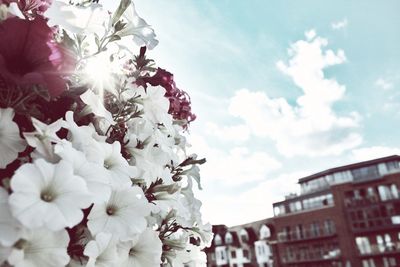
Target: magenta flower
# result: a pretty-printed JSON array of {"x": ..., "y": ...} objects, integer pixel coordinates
[{"x": 29, "y": 56}]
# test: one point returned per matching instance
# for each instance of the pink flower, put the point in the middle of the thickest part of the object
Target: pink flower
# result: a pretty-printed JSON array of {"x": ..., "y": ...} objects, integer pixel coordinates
[
  {"x": 29, "y": 56},
  {"x": 180, "y": 105}
]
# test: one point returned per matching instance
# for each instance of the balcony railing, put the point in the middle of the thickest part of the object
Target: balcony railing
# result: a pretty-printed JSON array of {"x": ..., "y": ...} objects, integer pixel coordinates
[
  {"x": 303, "y": 256},
  {"x": 374, "y": 224},
  {"x": 388, "y": 248},
  {"x": 304, "y": 235},
  {"x": 368, "y": 201}
]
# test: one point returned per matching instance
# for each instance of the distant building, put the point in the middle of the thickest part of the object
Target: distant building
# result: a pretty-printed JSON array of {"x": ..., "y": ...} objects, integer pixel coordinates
[
  {"x": 241, "y": 246},
  {"x": 347, "y": 216}
]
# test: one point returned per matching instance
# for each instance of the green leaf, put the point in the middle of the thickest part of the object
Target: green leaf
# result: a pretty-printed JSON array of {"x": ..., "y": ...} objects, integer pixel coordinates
[
  {"x": 119, "y": 26},
  {"x": 115, "y": 38},
  {"x": 123, "y": 5},
  {"x": 97, "y": 40}
]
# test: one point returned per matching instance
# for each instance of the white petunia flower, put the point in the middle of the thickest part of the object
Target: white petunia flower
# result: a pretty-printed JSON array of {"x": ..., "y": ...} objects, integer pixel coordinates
[
  {"x": 77, "y": 263},
  {"x": 77, "y": 19},
  {"x": 95, "y": 105},
  {"x": 156, "y": 105},
  {"x": 122, "y": 215},
  {"x": 96, "y": 177},
  {"x": 49, "y": 195},
  {"x": 46, "y": 131},
  {"x": 102, "y": 251},
  {"x": 4, "y": 253},
  {"x": 143, "y": 34},
  {"x": 190, "y": 256},
  {"x": 40, "y": 247},
  {"x": 12, "y": 10},
  {"x": 10, "y": 141},
  {"x": 151, "y": 162},
  {"x": 143, "y": 250},
  {"x": 83, "y": 138},
  {"x": 109, "y": 156},
  {"x": 139, "y": 130},
  {"x": 43, "y": 138},
  {"x": 9, "y": 226}
]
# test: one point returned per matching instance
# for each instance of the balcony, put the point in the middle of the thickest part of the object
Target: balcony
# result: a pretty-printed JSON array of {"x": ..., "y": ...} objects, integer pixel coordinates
[
  {"x": 377, "y": 216},
  {"x": 384, "y": 249},
  {"x": 352, "y": 203},
  {"x": 296, "y": 236},
  {"x": 309, "y": 256}
]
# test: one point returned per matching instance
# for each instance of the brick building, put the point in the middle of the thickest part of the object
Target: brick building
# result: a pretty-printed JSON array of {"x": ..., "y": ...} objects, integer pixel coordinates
[
  {"x": 241, "y": 246},
  {"x": 347, "y": 216}
]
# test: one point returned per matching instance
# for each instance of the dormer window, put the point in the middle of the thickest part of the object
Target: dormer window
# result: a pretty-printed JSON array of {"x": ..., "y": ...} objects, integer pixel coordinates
[
  {"x": 228, "y": 238},
  {"x": 244, "y": 236},
  {"x": 265, "y": 232},
  {"x": 217, "y": 240}
]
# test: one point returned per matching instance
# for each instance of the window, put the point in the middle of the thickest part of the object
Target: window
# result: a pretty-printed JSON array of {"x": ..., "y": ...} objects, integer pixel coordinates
[
  {"x": 260, "y": 250},
  {"x": 394, "y": 191},
  {"x": 329, "y": 227},
  {"x": 342, "y": 177},
  {"x": 244, "y": 236},
  {"x": 228, "y": 238},
  {"x": 383, "y": 168},
  {"x": 246, "y": 253},
  {"x": 265, "y": 232},
  {"x": 217, "y": 240},
  {"x": 233, "y": 254},
  {"x": 392, "y": 166},
  {"x": 380, "y": 242},
  {"x": 295, "y": 206},
  {"x": 213, "y": 256},
  {"x": 222, "y": 254},
  {"x": 221, "y": 257},
  {"x": 365, "y": 173},
  {"x": 368, "y": 263},
  {"x": 388, "y": 192},
  {"x": 389, "y": 262},
  {"x": 315, "y": 229},
  {"x": 318, "y": 202},
  {"x": 363, "y": 245},
  {"x": 299, "y": 232},
  {"x": 372, "y": 194},
  {"x": 384, "y": 243},
  {"x": 384, "y": 192},
  {"x": 395, "y": 219},
  {"x": 279, "y": 210}
]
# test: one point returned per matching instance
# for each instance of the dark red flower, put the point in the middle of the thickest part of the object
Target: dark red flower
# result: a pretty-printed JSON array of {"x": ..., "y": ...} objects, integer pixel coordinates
[
  {"x": 29, "y": 56},
  {"x": 179, "y": 100}
]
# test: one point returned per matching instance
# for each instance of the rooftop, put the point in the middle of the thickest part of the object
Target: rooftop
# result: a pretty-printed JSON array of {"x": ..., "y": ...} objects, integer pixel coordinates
[{"x": 348, "y": 167}]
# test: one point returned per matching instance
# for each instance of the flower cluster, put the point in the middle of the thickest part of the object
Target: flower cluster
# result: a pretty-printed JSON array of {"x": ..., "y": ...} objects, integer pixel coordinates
[
  {"x": 93, "y": 165},
  {"x": 180, "y": 104}
]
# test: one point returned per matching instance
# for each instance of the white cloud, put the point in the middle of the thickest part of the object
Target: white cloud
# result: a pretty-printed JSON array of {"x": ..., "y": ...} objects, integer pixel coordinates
[
  {"x": 310, "y": 34},
  {"x": 384, "y": 84},
  {"x": 235, "y": 166},
  {"x": 311, "y": 127},
  {"x": 256, "y": 203},
  {"x": 367, "y": 153},
  {"x": 337, "y": 25},
  {"x": 238, "y": 133}
]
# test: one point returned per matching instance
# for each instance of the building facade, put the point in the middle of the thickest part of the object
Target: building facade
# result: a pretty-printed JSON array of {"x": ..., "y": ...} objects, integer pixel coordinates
[{"x": 347, "y": 216}]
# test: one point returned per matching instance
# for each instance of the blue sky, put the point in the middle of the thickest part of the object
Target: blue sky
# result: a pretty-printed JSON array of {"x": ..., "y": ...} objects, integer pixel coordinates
[{"x": 281, "y": 89}]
